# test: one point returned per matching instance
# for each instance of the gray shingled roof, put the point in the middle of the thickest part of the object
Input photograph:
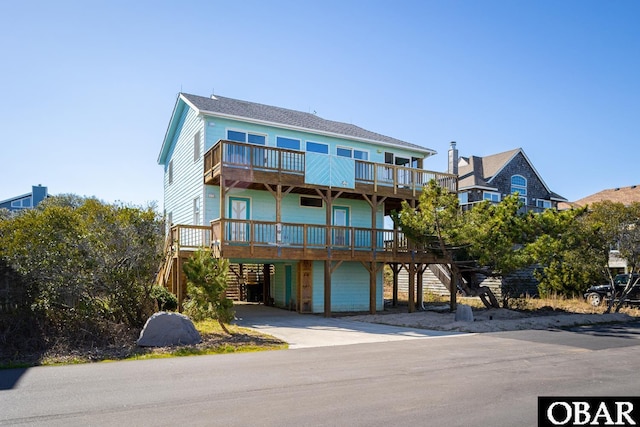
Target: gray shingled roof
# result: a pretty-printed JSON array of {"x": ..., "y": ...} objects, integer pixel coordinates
[
  {"x": 298, "y": 119},
  {"x": 480, "y": 170}
]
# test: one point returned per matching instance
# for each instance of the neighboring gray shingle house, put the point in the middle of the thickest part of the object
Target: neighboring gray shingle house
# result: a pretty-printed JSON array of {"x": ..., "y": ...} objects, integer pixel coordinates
[
  {"x": 25, "y": 201},
  {"x": 496, "y": 176}
]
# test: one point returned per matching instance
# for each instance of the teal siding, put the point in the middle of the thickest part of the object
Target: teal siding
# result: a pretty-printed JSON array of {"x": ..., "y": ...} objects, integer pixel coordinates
[
  {"x": 278, "y": 288},
  {"x": 315, "y": 169},
  {"x": 343, "y": 172},
  {"x": 349, "y": 288},
  {"x": 211, "y": 204},
  {"x": 187, "y": 173},
  {"x": 216, "y": 129}
]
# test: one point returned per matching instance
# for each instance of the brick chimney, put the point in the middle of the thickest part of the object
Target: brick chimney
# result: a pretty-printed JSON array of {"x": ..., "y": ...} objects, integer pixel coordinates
[{"x": 453, "y": 159}]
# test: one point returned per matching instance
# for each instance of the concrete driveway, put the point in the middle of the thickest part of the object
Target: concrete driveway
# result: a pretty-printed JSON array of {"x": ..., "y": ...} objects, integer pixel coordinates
[{"x": 315, "y": 330}]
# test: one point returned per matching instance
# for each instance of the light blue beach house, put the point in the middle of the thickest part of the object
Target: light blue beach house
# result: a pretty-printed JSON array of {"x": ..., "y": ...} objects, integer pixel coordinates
[{"x": 295, "y": 202}]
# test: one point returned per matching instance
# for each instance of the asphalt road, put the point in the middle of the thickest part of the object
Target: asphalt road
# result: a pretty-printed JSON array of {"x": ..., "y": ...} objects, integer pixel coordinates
[{"x": 473, "y": 380}]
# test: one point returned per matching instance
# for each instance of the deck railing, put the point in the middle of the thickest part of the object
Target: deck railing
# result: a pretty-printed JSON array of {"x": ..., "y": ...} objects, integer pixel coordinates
[
  {"x": 280, "y": 160},
  {"x": 233, "y": 232},
  {"x": 306, "y": 236}
]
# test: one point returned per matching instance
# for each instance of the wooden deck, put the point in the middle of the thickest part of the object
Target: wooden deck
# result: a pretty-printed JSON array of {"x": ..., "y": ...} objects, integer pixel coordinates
[
  {"x": 264, "y": 240},
  {"x": 280, "y": 171},
  {"x": 257, "y": 165}
]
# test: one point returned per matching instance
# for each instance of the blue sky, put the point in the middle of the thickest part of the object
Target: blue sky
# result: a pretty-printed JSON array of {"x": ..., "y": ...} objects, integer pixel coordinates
[{"x": 89, "y": 86}]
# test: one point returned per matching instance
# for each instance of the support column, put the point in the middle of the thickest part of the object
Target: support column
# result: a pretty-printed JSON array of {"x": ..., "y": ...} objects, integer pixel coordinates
[
  {"x": 412, "y": 287},
  {"x": 372, "y": 288},
  {"x": 266, "y": 284},
  {"x": 420, "y": 272},
  {"x": 395, "y": 268},
  {"x": 327, "y": 288}
]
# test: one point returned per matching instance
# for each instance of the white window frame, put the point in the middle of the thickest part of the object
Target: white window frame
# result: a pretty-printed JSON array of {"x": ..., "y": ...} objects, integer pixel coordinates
[
  {"x": 366, "y": 152},
  {"x": 246, "y": 136},
  {"x": 343, "y": 147},
  {"x": 545, "y": 204},
  {"x": 491, "y": 197},
  {"x": 289, "y": 138},
  {"x": 306, "y": 147}
]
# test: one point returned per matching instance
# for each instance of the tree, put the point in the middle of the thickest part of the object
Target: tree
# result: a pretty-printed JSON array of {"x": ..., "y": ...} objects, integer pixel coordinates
[
  {"x": 566, "y": 251},
  {"x": 617, "y": 226},
  {"x": 206, "y": 288},
  {"x": 86, "y": 264},
  {"x": 436, "y": 224}
]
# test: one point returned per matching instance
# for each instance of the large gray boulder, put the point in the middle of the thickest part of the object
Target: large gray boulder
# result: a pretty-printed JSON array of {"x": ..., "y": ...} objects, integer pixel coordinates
[
  {"x": 165, "y": 329},
  {"x": 464, "y": 313}
]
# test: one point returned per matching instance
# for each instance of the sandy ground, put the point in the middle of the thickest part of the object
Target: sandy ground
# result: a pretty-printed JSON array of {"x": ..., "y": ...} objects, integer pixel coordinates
[{"x": 491, "y": 320}]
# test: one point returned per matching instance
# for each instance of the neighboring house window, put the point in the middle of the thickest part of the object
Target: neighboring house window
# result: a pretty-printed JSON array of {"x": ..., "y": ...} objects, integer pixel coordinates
[
  {"x": 311, "y": 202},
  {"x": 344, "y": 151},
  {"x": 16, "y": 204},
  {"x": 491, "y": 196},
  {"x": 316, "y": 147},
  {"x": 251, "y": 138},
  {"x": 463, "y": 198},
  {"x": 170, "y": 172},
  {"x": 290, "y": 143},
  {"x": 196, "y": 211},
  {"x": 546, "y": 204},
  {"x": 519, "y": 185},
  {"x": 196, "y": 146}
]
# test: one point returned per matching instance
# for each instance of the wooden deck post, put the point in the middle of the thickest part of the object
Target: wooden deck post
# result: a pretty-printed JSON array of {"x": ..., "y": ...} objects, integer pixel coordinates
[
  {"x": 420, "y": 275},
  {"x": 395, "y": 268},
  {"x": 412, "y": 287},
  {"x": 372, "y": 288},
  {"x": 327, "y": 288}
]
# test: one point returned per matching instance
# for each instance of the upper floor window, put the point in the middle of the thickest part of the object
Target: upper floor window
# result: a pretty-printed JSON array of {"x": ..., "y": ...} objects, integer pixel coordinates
[
  {"x": 463, "y": 198},
  {"x": 360, "y": 155},
  {"x": 251, "y": 138},
  {"x": 491, "y": 196},
  {"x": 316, "y": 147},
  {"x": 350, "y": 152},
  {"x": 293, "y": 144},
  {"x": 196, "y": 146},
  {"x": 344, "y": 151},
  {"x": 170, "y": 172},
  {"x": 519, "y": 185},
  {"x": 546, "y": 204}
]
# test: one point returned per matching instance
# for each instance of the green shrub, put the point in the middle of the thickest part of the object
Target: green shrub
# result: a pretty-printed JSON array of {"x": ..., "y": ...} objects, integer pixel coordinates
[{"x": 166, "y": 300}]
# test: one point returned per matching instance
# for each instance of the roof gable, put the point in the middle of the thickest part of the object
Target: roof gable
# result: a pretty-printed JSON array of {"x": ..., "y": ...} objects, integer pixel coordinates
[{"x": 479, "y": 172}]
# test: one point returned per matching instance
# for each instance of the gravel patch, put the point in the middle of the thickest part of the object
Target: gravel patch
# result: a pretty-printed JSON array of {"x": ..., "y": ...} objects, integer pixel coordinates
[{"x": 491, "y": 320}]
